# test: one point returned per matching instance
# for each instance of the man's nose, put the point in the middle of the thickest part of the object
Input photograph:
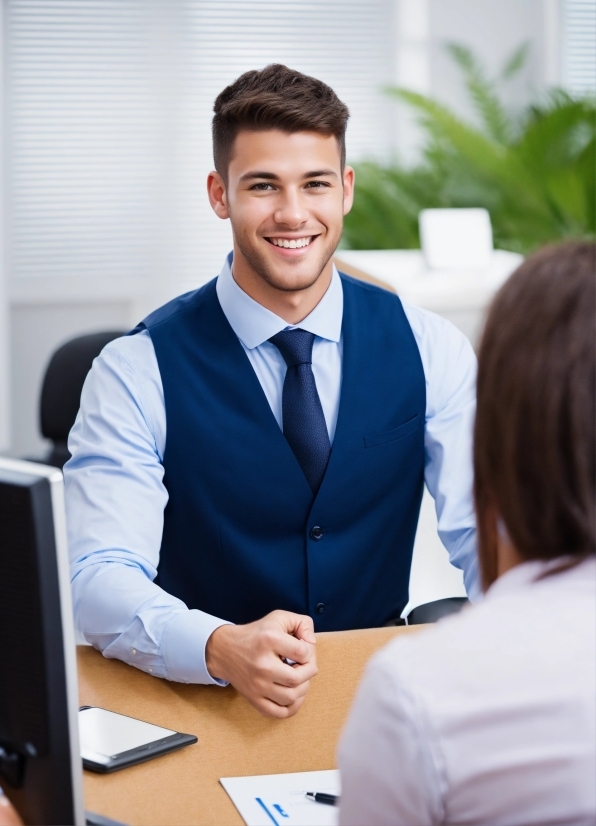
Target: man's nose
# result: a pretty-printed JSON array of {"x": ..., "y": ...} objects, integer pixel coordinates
[{"x": 291, "y": 211}]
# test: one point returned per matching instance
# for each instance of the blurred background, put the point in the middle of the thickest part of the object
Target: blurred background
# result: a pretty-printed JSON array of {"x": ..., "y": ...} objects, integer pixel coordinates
[{"x": 105, "y": 130}]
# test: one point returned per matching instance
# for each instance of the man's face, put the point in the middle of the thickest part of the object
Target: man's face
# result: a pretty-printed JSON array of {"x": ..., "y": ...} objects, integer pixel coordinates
[{"x": 286, "y": 197}]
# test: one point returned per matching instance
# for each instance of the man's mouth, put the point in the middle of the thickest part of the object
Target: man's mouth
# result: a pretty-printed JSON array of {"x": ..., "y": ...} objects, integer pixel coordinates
[{"x": 292, "y": 243}]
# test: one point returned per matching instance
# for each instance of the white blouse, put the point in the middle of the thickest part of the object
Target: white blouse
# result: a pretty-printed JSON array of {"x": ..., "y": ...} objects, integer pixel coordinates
[{"x": 486, "y": 718}]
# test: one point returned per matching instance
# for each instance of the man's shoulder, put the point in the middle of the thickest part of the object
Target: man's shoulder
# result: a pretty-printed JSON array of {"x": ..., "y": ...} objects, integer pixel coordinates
[
  {"x": 130, "y": 350},
  {"x": 428, "y": 325},
  {"x": 424, "y": 323},
  {"x": 371, "y": 291},
  {"x": 372, "y": 304},
  {"x": 129, "y": 363}
]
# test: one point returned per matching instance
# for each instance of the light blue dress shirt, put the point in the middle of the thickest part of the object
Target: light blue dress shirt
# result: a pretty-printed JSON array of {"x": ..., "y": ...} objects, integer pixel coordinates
[{"x": 115, "y": 496}]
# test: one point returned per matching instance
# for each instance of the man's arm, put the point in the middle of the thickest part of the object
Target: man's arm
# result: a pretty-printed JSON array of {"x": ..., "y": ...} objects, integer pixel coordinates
[
  {"x": 115, "y": 501},
  {"x": 450, "y": 370}
]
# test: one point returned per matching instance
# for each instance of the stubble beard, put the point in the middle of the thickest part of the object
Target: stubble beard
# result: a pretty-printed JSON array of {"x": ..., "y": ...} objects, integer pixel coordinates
[{"x": 265, "y": 270}]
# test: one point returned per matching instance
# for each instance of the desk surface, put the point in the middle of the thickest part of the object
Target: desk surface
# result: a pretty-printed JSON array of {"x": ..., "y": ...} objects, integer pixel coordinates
[{"x": 234, "y": 739}]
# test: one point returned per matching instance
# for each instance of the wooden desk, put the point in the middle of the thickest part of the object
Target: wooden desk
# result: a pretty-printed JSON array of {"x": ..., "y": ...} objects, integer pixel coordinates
[{"x": 234, "y": 739}]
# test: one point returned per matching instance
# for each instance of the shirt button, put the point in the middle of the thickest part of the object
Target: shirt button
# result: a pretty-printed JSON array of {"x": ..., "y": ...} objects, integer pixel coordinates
[
  {"x": 320, "y": 607},
  {"x": 133, "y": 650},
  {"x": 316, "y": 533}
]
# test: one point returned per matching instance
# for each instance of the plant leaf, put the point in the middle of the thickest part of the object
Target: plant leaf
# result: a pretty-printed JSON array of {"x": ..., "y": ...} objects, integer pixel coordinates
[
  {"x": 538, "y": 187},
  {"x": 483, "y": 93},
  {"x": 516, "y": 61}
]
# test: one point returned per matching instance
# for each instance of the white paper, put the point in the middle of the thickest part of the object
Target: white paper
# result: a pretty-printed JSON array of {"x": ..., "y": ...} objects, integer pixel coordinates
[{"x": 279, "y": 799}]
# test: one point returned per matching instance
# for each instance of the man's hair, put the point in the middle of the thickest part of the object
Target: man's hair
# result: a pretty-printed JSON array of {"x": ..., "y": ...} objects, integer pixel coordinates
[
  {"x": 534, "y": 441},
  {"x": 276, "y": 98}
]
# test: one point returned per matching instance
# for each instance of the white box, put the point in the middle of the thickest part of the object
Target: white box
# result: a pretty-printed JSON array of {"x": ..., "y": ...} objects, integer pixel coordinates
[{"x": 456, "y": 238}]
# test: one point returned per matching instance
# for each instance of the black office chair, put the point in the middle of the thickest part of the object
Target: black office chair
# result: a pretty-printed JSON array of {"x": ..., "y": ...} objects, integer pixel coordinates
[
  {"x": 431, "y": 611},
  {"x": 434, "y": 611},
  {"x": 61, "y": 390}
]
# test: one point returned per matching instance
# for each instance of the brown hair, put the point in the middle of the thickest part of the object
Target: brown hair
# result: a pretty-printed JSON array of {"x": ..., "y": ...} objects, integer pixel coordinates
[
  {"x": 276, "y": 98},
  {"x": 534, "y": 441}
]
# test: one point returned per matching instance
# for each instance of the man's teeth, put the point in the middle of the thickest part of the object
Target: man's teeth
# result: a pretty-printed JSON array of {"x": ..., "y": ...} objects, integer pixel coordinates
[{"x": 295, "y": 243}]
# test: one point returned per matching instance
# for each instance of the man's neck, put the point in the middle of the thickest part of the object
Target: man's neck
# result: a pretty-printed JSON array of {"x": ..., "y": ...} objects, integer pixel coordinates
[{"x": 292, "y": 306}]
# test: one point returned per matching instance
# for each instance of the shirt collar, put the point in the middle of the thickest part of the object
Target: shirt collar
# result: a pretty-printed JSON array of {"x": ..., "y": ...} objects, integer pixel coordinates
[{"x": 254, "y": 324}]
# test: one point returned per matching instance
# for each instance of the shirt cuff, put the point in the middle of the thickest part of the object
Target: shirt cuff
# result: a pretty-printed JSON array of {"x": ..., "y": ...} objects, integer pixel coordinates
[{"x": 183, "y": 647}]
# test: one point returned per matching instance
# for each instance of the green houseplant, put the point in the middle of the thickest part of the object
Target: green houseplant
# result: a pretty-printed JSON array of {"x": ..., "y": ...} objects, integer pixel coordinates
[{"x": 534, "y": 172}]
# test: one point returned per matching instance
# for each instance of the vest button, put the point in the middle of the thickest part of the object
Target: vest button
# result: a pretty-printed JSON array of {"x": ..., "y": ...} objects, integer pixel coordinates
[
  {"x": 316, "y": 533},
  {"x": 320, "y": 607}
]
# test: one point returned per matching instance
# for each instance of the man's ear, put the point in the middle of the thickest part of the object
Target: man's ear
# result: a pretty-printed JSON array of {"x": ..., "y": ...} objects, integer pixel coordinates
[
  {"x": 216, "y": 190},
  {"x": 348, "y": 182}
]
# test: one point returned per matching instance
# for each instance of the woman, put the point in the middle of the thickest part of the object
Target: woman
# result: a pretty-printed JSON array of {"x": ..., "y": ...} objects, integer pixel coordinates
[{"x": 489, "y": 717}]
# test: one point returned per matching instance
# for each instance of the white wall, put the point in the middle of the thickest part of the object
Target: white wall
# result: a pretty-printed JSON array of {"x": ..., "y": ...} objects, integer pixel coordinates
[
  {"x": 4, "y": 334},
  {"x": 492, "y": 29}
]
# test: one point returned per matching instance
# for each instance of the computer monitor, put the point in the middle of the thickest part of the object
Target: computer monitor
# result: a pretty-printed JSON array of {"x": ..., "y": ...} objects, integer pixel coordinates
[{"x": 40, "y": 760}]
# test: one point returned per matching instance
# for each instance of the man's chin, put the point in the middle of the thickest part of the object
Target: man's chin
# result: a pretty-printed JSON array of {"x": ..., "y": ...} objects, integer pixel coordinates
[
  {"x": 285, "y": 273},
  {"x": 293, "y": 275},
  {"x": 292, "y": 279}
]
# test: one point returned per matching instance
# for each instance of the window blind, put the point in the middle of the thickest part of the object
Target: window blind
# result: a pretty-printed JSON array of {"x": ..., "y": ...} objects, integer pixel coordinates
[
  {"x": 109, "y": 105},
  {"x": 579, "y": 46}
]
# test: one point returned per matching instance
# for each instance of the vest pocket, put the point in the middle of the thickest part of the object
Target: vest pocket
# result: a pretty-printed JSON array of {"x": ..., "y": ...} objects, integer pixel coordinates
[{"x": 395, "y": 433}]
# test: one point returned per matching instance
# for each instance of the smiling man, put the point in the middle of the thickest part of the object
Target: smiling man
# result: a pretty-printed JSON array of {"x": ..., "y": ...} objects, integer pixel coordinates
[{"x": 248, "y": 464}]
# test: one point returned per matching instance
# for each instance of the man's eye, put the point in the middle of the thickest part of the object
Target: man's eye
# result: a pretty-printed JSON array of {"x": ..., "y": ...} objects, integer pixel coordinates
[
  {"x": 317, "y": 184},
  {"x": 261, "y": 187}
]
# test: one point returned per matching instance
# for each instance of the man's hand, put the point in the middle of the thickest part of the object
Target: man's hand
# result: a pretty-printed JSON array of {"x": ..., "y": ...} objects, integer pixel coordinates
[{"x": 250, "y": 658}]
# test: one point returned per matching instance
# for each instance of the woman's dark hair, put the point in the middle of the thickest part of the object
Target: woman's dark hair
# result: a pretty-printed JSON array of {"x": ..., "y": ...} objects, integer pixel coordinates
[
  {"x": 534, "y": 440},
  {"x": 276, "y": 98}
]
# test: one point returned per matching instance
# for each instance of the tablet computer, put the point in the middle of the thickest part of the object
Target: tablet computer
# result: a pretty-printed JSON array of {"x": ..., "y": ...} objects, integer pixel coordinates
[{"x": 111, "y": 741}]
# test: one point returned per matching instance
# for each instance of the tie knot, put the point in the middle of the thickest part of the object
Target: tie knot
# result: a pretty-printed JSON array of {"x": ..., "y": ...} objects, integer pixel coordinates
[{"x": 295, "y": 346}]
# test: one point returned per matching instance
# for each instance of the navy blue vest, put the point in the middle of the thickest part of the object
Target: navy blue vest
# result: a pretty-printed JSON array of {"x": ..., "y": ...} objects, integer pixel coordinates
[{"x": 237, "y": 532}]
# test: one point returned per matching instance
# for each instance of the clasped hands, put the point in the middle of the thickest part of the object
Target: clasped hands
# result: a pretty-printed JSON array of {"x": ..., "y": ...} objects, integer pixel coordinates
[{"x": 252, "y": 658}]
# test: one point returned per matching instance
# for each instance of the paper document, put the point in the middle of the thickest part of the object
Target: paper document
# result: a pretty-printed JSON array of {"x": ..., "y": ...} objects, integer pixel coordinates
[{"x": 279, "y": 799}]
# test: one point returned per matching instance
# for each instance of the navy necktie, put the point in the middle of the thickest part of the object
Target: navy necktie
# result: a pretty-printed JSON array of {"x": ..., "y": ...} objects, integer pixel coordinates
[{"x": 304, "y": 424}]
